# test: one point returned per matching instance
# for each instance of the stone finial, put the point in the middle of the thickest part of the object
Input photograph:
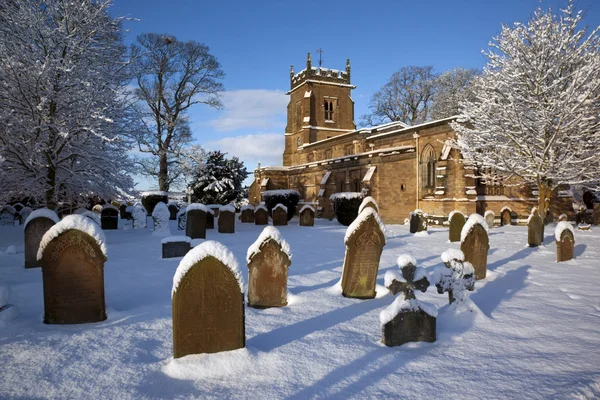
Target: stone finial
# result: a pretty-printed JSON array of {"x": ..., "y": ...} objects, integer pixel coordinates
[
  {"x": 308, "y": 62},
  {"x": 291, "y": 71},
  {"x": 348, "y": 69}
]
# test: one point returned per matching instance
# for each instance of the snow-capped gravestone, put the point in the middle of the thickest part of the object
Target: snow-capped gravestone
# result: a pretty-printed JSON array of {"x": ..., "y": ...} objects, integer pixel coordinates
[
  {"x": 247, "y": 215},
  {"x": 109, "y": 217},
  {"x": 261, "y": 215},
  {"x": 307, "y": 216},
  {"x": 535, "y": 229},
  {"x": 72, "y": 254},
  {"x": 489, "y": 218},
  {"x": 565, "y": 241},
  {"x": 195, "y": 225},
  {"x": 175, "y": 246},
  {"x": 280, "y": 215},
  {"x": 457, "y": 277},
  {"x": 97, "y": 209},
  {"x": 215, "y": 209},
  {"x": 172, "y": 211},
  {"x": 418, "y": 221},
  {"x": 268, "y": 261},
  {"x": 368, "y": 202},
  {"x": 160, "y": 216},
  {"x": 505, "y": 216},
  {"x": 227, "y": 219},
  {"x": 139, "y": 215},
  {"x": 181, "y": 218},
  {"x": 407, "y": 319},
  {"x": 92, "y": 216},
  {"x": 364, "y": 242},
  {"x": 210, "y": 219},
  {"x": 24, "y": 214},
  {"x": 208, "y": 302},
  {"x": 474, "y": 243},
  {"x": 457, "y": 221},
  {"x": 7, "y": 215},
  {"x": 562, "y": 217},
  {"x": 38, "y": 223}
]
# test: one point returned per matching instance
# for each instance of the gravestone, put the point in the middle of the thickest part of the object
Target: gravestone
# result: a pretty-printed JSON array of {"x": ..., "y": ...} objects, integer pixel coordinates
[
  {"x": 172, "y": 211},
  {"x": 109, "y": 217},
  {"x": 160, "y": 217},
  {"x": 535, "y": 229},
  {"x": 456, "y": 277},
  {"x": 261, "y": 216},
  {"x": 175, "y": 246},
  {"x": 364, "y": 243},
  {"x": 418, "y": 221},
  {"x": 475, "y": 244},
  {"x": 181, "y": 218},
  {"x": 280, "y": 215},
  {"x": 97, "y": 209},
  {"x": 7, "y": 215},
  {"x": 307, "y": 216},
  {"x": 407, "y": 319},
  {"x": 505, "y": 217},
  {"x": 268, "y": 262},
  {"x": 208, "y": 302},
  {"x": 24, "y": 214},
  {"x": 596, "y": 214},
  {"x": 562, "y": 217},
  {"x": 215, "y": 209},
  {"x": 210, "y": 219},
  {"x": 489, "y": 218},
  {"x": 565, "y": 241},
  {"x": 227, "y": 219},
  {"x": 92, "y": 216},
  {"x": 123, "y": 212},
  {"x": 247, "y": 215},
  {"x": 38, "y": 223},
  {"x": 368, "y": 202},
  {"x": 72, "y": 263},
  {"x": 195, "y": 225},
  {"x": 457, "y": 221}
]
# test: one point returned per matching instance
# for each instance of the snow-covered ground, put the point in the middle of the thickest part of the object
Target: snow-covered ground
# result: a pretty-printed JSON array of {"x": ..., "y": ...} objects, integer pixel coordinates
[{"x": 537, "y": 334}]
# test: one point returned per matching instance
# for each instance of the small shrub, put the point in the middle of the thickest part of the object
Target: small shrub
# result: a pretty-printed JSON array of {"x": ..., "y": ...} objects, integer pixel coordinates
[
  {"x": 345, "y": 206},
  {"x": 151, "y": 199},
  {"x": 288, "y": 198}
]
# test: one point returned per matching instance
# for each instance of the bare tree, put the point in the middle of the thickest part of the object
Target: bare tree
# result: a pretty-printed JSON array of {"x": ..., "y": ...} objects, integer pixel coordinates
[
  {"x": 451, "y": 87},
  {"x": 406, "y": 97},
  {"x": 171, "y": 76}
]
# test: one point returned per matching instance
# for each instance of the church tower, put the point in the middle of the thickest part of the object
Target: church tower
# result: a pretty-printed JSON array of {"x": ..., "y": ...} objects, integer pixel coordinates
[{"x": 320, "y": 107}]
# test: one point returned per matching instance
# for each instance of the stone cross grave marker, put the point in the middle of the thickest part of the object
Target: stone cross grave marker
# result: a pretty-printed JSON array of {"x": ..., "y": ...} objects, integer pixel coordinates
[
  {"x": 109, "y": 217},
  {"x": 457, "y": 221},
  {"x": 280, "y": 215},
  {"x": 208, "y": 302},
  {"x": 407, "y": 319},
  {"x": 195, "y": 226},
  {"x": 35, "y": 228},
  {"x": 268, "y": 263},
  {"x": 565, "y": 241},
  {"x": 456, "y": 277},
  {"x": 247, "y": 215},
  {"x": 261, "y": 216},
  {"x": 227, "y": 219},
  {"x": 364, "y": 243},
  {"x": 475, "y": 244},
  {"x": 535, "y": 229},
  {"x": 307, "y": 216},
  {"x": 489, "y": 218},
  {"x": 73, "y": 272}
]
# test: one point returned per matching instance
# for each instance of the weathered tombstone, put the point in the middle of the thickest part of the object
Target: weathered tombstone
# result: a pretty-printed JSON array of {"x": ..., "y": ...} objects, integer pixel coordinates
[
  {"x": 565, "y": 241},
  {"x": 280, "y": 215},
  {"x": 535, "y": 229},
  {"x": 195, "y": 226},
  {"x": 227, "y": 219},
  {"x": 210, "y": 219},
  {"x": 7, "y": 215},
  {"x": 139, "y": 216},
  {"x": 123, "y": 211},
  {"x": 36, "y": 226},
  {"x": 109, "y": 217},
  {"x": 307, "y": 216},
  {"x": 160, "y": 216},
  {"x": 368, "y": 202},
  {"x": 208, "y": 302},
  {"x": 24, "y": 214},
  {"x": 505, "y": 216},
  {"x": 97, "y": 209},
  {"x": 261, "y": 216},
  {"x": 72, "y": 254},
  {"x": 181, "y": 218},
  {"x": 457, "y": 221},
  {"x": 596, "y": 214},
  {"x": 407, "y": 319},
  {"x": 172, "y": 211},
  {"x": 268, "y": 261},
  {"x": 489, "y": 218},
  {"x": 456, "y": 277},
  {"x": 247, "y": 215},
  {"x": 364, "y": 243},
  {"x": 175, "y": 246},
  {"x": 474, "y": 243},
  {"x": 418, "y": 221}
]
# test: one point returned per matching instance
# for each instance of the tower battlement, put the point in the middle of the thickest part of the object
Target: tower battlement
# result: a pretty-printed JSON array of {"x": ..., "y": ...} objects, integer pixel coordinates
[{"x": 319, "y": 74}]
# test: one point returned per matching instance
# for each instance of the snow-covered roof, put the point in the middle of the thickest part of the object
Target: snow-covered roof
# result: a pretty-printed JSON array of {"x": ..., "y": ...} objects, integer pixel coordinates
[
  {"x": 366, "y": 201},
  {"x": 473, "y": 220},
  {"x": 177, "y": 238},
  {"x": 270, "y": 232},
  {"x": 361, "y": 219},
  {"x": 77, "y": 222},
  {"x": 413, "y": 127},
  {"x": 268, "y": 193},
  {"x": 209, "y": 248},
  {"x": 44, "y": 213},
  {"x": 325, "y": 177},
  {"x": 561, "y": 227},
  {"x": 400, "y": 304}
]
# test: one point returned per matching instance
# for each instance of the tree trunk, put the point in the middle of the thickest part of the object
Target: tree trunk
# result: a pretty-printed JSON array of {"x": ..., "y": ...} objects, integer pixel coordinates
[
  {"x": 163, "y": 173},
  {"x": 50, "y": 192},
  {"x": 545, "y": 190}
]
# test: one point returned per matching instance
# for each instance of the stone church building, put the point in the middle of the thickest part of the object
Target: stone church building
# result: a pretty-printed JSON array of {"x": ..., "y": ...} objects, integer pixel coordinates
[{"x": 403, "y": 167}]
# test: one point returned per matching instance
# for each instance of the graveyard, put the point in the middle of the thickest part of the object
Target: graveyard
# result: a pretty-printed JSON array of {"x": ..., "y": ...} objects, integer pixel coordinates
[{"x": 531, "y": 328}]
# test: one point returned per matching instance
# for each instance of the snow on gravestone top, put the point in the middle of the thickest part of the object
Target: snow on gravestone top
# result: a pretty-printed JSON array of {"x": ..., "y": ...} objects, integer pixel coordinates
[
  {"x": 307, "y": 207},
  {"x": 110, "y": 206},
  {"x": 505, "y": 208},
  {"x": 473, "y": 220},
  {"x": 454, "y": 212},
  {"x": 489, "y": 212},
  {"x": 400, "y": 304},
  {"x": 176, "y": 238},
  {"x": 269, "y": 232},
  {"x": 228, "y": 208},
  {"x": 8, "y": 208},
  {"x": 279, "y": 205},
  {"x": 42, "y": 212},
  {"x": 77, "y": 222},
  {"x": 161, "y": 211},
  {"x": 92, "y": 215},
  {"x": 346, "y": 195},
  {"x": 361, "y": 219},
  {"x": 534, "y": 211},
  {"x": 209, "y": 248},
  {"x": 261, "y": 207},
  {"x": 366, "y": 202},
  {"x": 247, "y": 207},
  {"x": 402, "y": 261},
  {"x": 562, "y": 226},
  {"x": 198, "y": 207}
]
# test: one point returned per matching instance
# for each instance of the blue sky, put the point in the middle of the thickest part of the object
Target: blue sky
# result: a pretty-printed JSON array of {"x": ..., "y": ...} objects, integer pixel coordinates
[{"x": 257, "y": 41}]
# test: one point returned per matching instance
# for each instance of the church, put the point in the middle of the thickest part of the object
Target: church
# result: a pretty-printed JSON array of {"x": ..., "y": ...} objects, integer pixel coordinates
[{"x": 403, "y": 167}]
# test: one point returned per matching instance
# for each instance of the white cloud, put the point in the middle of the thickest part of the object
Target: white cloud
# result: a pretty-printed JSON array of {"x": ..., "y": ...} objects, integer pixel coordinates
[
  {"x": 264, "y": 147},
  {"x": 255, "y": 108}
]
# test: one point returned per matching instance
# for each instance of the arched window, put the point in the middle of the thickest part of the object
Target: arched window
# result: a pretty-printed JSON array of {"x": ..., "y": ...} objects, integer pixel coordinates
[
  {"x": 329, "y": 105},
  {"x": 428, "y": 171}
]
